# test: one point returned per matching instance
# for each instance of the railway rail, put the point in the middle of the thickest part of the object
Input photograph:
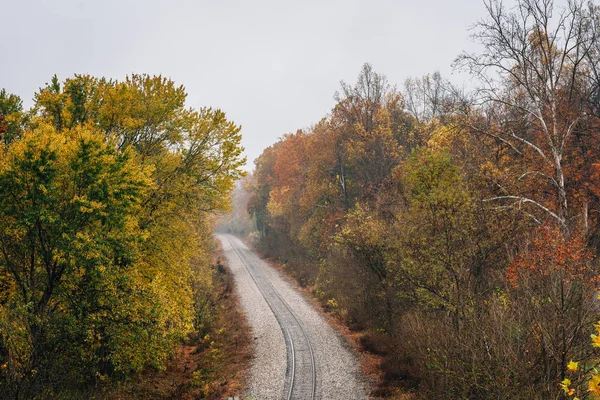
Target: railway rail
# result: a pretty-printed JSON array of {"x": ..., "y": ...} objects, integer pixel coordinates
[{"x": 300, "y": 377}]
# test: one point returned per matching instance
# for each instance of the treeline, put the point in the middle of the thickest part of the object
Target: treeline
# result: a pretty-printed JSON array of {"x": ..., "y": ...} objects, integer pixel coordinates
[
  {"x": 106, "y": 194},
  {"x": 458, "y": 229}
]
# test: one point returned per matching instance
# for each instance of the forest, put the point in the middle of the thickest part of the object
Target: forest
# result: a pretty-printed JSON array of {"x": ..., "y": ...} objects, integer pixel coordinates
[
  {"x": 457, "y": 228},
  {"x": 107, "y": 195},
  {"x": 454, "y": 229}
]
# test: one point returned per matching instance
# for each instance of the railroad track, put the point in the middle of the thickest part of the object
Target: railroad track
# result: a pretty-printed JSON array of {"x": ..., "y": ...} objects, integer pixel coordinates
[{"x": 300, "y": 377}]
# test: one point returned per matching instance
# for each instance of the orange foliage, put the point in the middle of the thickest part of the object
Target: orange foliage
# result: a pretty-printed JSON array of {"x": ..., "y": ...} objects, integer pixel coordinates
[
  {"x": 3, "y": 125},
  {"x": 552, "y": 253}
]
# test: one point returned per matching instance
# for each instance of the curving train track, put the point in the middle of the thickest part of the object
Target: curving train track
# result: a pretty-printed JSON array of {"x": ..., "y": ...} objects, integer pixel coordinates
[{"x": 300, "y": 376}]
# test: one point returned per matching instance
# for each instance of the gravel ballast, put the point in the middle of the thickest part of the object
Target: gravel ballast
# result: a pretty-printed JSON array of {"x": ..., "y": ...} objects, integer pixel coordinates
[{"x": 338, "y": 375}]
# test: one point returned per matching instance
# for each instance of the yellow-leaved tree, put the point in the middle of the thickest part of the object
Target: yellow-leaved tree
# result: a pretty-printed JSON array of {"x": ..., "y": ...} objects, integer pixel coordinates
[{"x": 105, "y": 230}]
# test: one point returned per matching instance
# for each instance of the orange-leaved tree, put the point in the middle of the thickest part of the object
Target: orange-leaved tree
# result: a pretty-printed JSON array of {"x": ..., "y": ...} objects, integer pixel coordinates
[{"x": 553, "y": 282}]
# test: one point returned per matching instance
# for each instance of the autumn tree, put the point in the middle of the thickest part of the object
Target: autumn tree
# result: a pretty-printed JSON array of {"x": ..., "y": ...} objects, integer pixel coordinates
[
  {"x": 257, "y": 205},
  {"x": 68, "y": 232},
  {"x": 11, "y": 116},
  {"x": 553, "y": 283},
  {"x": 107, "y": 192},
  {"x": 534, "y": 70}
]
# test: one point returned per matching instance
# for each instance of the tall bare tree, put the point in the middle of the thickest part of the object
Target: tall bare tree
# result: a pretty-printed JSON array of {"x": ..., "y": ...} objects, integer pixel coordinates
[
  {"x": 535, "y": 72},
  {"x": 424, "y": 97}
]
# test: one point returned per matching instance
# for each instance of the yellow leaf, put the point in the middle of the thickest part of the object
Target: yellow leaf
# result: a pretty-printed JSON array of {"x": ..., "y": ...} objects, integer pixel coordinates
[
  {"x": 565, "y": 385},
  {"x": 594, "y": 385},
  {"x": 573, "y": 366}
]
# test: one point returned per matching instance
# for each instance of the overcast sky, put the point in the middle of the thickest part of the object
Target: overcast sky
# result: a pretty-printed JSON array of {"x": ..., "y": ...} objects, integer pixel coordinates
[{"x": 271, "y": 65}]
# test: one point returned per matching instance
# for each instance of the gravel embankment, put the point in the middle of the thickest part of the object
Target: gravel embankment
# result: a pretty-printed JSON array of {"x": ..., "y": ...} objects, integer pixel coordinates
[{"x": 338, "y": 375}]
